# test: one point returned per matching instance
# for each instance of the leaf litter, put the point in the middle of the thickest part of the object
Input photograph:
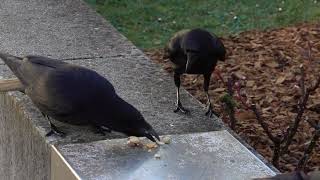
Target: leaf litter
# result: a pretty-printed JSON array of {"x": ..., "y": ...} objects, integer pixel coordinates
[{"x": 269, "y": 62}]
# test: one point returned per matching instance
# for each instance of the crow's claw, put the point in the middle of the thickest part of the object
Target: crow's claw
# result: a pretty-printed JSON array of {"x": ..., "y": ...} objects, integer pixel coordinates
[
  {"x": 102, "y": 130},
  {"x": 210, "y": 112},
  {"x": 55, "y": 131},
  {"x": 181, "y": 109}
]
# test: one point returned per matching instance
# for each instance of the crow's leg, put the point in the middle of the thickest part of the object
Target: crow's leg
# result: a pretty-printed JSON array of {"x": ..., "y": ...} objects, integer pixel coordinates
[
  {"x": 177, "y": 82},
  {"x": 54, "y": 129},
  {"x": 102, "y": 130},
  {"x": 206, "y": 83}
]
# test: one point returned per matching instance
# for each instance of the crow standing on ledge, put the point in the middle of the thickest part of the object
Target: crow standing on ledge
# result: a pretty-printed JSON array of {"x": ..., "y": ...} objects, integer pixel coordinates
[
  {"x": 74, "y": 95},
  {"x": 194, "y": 51}
]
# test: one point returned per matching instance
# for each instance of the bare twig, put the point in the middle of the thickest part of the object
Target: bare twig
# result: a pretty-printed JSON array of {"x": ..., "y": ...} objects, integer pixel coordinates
[
  {"x": 302, "y": 105},
  {"x": 302, "y": 80},
  {"x": 276, "y": 140},
  {"x": 276, "y": 154},
  {"x": 230, "y": 105},
  {"x": 283, "y": 141},
  {"x": 242, "y": 99},
  {"x": 236, "y": 84},
  {"x": 263, "y": 124},
  {"x": 230, "y": 85},
  {"x": 218, "y": 73},
  {"x": 309, "y": 51},
  {"x": 307, "y": 153}
]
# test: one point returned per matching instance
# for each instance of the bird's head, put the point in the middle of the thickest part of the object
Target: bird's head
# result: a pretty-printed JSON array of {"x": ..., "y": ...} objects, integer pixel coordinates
[
  {"x": 142, "y": 129},
  {"x": 132, "y": 123},
  {"x": 220, "y": 50}
]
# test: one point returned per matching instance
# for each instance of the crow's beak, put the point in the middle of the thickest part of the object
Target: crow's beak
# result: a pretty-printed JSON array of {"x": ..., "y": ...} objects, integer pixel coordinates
[
  {"x": 187, "y": 66},
  {"x": 191, "y": 59},
  {"x": 150, "y": 134}
]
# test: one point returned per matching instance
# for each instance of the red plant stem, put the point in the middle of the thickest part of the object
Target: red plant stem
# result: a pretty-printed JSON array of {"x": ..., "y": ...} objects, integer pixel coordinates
[
  {"x": 231, "y": 108},
  {"x": 276, "y": 141},
  {"x": 293, "y": 129},
  {"x": 264, "y": 125},
  {"x": 230, "y": 85},
  {"x": 218, "y": 73},
  {"x": 307, "y": 153},
  {"x": 302, "y": 105},
  {"x": 241, "y": 99},
  {"x": 276, "y": 154}
]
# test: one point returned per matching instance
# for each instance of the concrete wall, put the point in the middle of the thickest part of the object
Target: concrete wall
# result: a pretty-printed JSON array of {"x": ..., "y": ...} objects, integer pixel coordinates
[{"x": 24, "y": 154}]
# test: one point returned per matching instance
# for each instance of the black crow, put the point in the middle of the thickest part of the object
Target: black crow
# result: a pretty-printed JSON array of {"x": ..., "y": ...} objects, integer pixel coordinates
[
  {"x": 75, "y": 95},
  {"x": 194, "y": 51}
]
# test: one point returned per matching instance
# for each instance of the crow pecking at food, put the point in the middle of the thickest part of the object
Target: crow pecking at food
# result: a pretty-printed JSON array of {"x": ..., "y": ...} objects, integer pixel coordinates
[
  {"x": 74, "y": 95},
  {"x": 194, "y": 51}
]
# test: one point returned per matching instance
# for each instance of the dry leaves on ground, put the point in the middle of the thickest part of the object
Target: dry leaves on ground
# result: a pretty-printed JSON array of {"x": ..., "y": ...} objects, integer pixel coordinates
[{"x": 269, "y": 61}]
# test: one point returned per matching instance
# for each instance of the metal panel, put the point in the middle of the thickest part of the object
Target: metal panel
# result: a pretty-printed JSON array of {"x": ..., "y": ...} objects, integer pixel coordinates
[{"x": 202, "y": 156}]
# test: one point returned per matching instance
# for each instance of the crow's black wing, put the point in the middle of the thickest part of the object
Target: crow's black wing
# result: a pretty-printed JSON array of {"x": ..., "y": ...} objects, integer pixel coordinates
[{"x": 71, "y": 93}]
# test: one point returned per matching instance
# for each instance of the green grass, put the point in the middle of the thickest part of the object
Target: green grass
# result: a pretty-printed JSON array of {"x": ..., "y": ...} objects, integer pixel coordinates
[{"x": 150, "y": 23}]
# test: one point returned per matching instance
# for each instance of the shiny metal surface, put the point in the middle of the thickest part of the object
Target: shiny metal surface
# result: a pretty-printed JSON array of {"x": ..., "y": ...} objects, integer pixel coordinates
[{"x": 213, "y": 155}]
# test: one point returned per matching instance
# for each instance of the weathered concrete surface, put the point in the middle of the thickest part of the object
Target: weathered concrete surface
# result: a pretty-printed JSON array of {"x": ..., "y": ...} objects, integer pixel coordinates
[
  {"x": 203, "y": 156},
  {"x": 58, "y": 28}
]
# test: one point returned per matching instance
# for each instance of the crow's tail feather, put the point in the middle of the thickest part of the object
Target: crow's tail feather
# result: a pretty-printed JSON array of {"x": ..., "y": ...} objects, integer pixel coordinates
[{"x": 11, "y": 61}]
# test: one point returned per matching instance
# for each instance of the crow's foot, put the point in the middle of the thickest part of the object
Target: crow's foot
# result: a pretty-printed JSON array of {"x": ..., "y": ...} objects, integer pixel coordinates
[
  {"x": 210, "y": 112},
  {"x": 102, "y": 130},
  {"x": 56, "y": 131},
  {"x": 181, "y": 109}
]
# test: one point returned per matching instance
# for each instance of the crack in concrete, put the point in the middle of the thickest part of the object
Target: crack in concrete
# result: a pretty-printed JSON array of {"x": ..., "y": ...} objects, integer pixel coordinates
[
  {"x": 83, "y": 58},
  {"x": 91, "y": 58}
]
